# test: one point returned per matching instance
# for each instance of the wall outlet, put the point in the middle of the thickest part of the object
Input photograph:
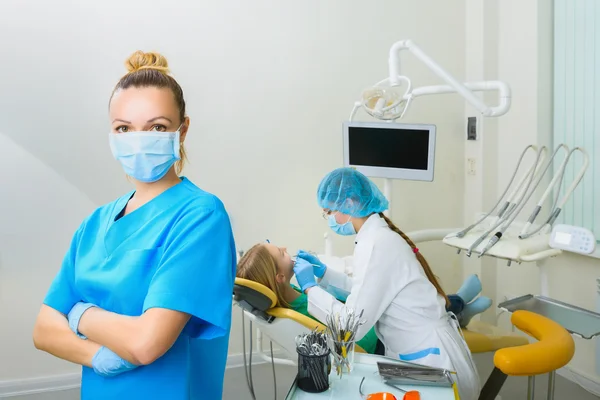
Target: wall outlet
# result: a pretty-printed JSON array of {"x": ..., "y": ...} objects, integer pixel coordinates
[{"x": 471, "y": 166}]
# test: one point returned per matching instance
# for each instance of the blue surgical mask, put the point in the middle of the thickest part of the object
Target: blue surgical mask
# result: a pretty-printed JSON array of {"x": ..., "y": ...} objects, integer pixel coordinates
[
  {"x": 346, "y": 229},
  {"x": 145, "y": 156}
]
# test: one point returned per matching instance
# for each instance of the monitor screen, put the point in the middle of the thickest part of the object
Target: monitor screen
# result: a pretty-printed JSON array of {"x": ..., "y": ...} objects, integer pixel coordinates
[
  {"x": 390, "y": 150},
  {"x": 562, "y": 238}
]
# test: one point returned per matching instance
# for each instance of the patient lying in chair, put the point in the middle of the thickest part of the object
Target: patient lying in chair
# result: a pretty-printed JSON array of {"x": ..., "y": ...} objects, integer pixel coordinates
[{"x": 272, "y": 267}]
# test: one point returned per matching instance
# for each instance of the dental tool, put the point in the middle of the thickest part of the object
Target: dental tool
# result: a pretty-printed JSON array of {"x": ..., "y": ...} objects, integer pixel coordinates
[
  {"x": 556, "y": 179},
  {"x": 522, "y": 188},
  {"x": 313, "y": 361},
  {"x": 506, "y": 203},
  {"x": 294, "y": 258},
  {"x": 520, "y": 193},
  {"x": 558, "y": 205},
  {"x": 522, "y": 241},
  {"x": 522, "y": 204},
  {"x": 341, "y": 329}
]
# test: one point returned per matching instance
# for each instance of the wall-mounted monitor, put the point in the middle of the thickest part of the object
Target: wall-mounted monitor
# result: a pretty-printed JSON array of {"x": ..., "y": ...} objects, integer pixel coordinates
[{"x": 390, "y": 150}]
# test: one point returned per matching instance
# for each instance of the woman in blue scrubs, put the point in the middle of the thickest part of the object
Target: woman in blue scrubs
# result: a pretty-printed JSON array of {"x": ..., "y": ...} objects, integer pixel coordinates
[{"x": 143, "y": 298}]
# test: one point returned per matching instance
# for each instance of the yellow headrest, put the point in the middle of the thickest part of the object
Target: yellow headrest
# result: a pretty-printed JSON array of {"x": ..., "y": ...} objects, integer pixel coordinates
[
  {"x": 258, "y": 287},
  {"x": 280, "y": 312},
  {"x": 554, "y": 349}
]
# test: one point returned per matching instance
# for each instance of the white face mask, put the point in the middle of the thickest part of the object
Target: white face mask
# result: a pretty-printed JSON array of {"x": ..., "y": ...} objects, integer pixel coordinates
[{"x": 146, "y": 156}]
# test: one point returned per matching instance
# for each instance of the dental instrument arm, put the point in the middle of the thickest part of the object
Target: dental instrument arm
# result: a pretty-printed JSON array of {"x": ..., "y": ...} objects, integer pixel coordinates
[
  {"x": 523, "y": 198},
  {"x": 506, "y": 203},
  {"x": 557, "y": 178},
  {"x": 454, "y": 85},
  {"x": 382, "y": 101},
  {"x": 526, "y": 181},
  {"x": 52, "y": 334},
  {"x": 558, "y": 205},
  {"x": 357, "y": 105},
  {"x": 571, "y": 188},
  {"x": 139, "y": 340},
  {"x": 526, "y": 199},
  {"x": 510, "y": 205}
]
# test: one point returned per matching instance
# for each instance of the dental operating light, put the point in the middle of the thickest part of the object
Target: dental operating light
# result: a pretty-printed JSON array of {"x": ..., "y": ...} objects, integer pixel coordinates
[{"x": 387, "y": 101}]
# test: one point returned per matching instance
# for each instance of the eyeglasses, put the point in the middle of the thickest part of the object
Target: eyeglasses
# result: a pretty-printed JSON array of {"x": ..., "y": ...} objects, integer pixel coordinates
[
  {"x": 408, "y": 395},
  {"x": 375, "y": 396}
]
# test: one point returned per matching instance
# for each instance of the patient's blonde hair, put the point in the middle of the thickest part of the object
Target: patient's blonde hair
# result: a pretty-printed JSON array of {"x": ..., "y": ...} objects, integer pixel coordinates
[{"x": 258, "y": 265}]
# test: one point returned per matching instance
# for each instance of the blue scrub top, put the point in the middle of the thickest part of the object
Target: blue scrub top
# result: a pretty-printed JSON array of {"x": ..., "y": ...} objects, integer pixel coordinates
[{"x": 175, "y": 252}]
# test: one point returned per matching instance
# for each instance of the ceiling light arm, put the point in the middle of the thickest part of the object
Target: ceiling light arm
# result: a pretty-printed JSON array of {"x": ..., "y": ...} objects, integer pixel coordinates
[{"x": 454, "y": 86}]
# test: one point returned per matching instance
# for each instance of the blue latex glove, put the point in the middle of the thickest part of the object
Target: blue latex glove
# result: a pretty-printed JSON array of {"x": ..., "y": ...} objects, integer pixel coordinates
[
  {"x": 108, "y": 363},
  {"x": 75, "y": 315},
  {"x": 318, "y": 267},
  {"x": 304, "y": 274}
]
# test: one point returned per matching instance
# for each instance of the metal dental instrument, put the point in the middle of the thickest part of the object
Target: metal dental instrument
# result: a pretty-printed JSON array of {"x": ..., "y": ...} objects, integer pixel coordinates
[
  {"x": 520, "y": 192},
  {"x": 558, "y": 205},
  {"x": 517, "y": 208},
  {"x": 506, "y": 203},
  {"x": 556, "y": 179},
  {"x": 341, "y": 334},
  {"x": 315, "y": 352}
]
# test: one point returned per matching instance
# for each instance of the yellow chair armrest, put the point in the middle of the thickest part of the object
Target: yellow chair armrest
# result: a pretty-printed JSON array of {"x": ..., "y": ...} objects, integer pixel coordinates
[{"x": 554, "y": 349}]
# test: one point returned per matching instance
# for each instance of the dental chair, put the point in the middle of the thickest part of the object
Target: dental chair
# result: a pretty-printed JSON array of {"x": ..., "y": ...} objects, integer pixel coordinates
[
  {"x": 553, "y": 350},
  {"x": 280, "y": 324},
  {"x": 515, "y": 355}
]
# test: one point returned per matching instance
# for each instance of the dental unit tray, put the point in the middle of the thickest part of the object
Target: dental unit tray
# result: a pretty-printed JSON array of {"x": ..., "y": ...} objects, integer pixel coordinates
[
  {"x": 578, "y": 321},
  {"x": 509, "y": 248},
  {"x": 396, "y": 374}
]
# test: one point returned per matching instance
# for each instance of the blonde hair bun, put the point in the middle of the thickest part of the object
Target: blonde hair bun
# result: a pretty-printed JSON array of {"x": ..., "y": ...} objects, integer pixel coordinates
[{"x": 141, "y": 60}]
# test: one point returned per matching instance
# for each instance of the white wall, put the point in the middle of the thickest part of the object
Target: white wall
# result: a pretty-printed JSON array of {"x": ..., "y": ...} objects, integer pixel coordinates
[
  {"x": 268, "y": 84},
  {"x": 39, "y": 211},
  {"x": 517, "y": 45}
]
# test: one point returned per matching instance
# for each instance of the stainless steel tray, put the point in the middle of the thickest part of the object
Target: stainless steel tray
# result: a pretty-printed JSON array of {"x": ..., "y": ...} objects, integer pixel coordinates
[{"x": 578, "y": 321}]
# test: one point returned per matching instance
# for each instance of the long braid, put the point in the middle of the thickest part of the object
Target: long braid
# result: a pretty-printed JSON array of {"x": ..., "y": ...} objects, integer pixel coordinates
[{"x": 428, "y": 272}]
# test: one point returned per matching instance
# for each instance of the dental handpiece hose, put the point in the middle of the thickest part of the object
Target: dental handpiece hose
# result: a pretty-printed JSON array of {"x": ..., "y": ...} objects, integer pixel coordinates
[
  {"x": 527, "y": 193},
  {"x": 506, "y": 203},
  {"x": 518, "y": 206}
]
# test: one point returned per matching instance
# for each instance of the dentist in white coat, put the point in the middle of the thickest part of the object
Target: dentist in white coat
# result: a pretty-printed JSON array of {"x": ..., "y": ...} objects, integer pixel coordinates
[{"x": 391, "y": 282}]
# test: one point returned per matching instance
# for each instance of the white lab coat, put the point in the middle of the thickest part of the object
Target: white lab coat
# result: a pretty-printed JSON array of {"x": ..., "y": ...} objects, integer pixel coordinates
[{"x": 409, "y": 316}]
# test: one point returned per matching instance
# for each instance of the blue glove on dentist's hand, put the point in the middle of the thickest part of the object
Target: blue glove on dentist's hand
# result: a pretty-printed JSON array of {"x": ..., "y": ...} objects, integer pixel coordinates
[
  {"x": 318, "y": 267},
  {"x": 75, "y": 315},
  {"x": 107, "y": 363},
  {"x": 304, "y": 274}
]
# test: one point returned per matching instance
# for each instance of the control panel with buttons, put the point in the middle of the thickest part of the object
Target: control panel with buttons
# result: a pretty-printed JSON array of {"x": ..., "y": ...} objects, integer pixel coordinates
[{"x": 572, "y": 238}]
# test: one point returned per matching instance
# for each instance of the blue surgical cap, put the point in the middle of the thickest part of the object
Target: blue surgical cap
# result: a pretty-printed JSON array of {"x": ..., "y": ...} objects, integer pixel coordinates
[{"x": 348, "y": 191}]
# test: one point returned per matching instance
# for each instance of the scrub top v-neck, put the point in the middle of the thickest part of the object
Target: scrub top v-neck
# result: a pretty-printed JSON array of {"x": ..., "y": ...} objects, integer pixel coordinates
[{"x": 175, "y": 252}]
